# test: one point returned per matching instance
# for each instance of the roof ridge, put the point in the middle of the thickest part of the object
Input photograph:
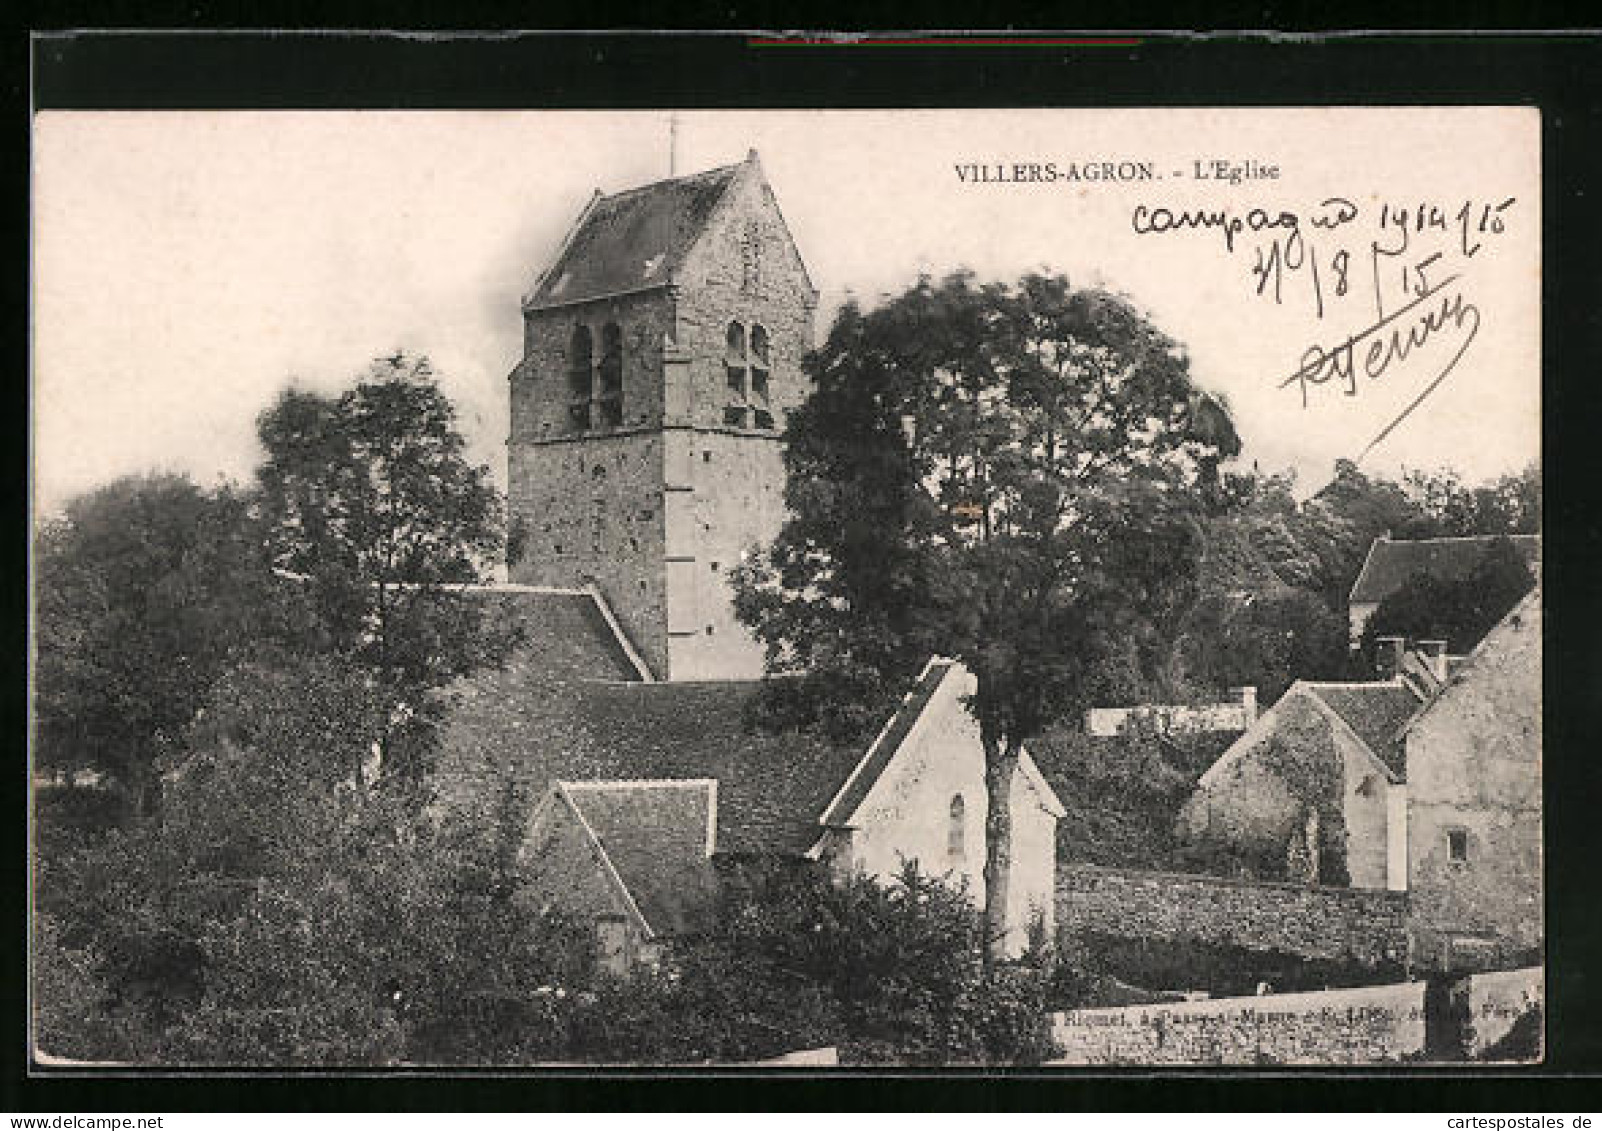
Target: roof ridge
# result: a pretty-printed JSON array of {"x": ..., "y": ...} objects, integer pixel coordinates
[
  {"x": 1454, "y": 538},
  {"x": 620, "y": 193},
  {"x": 635, "y": 783}
]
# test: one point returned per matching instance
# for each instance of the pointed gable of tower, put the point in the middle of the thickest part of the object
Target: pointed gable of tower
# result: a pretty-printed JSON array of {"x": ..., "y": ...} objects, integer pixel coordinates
[{"x": 633, "y": 240}]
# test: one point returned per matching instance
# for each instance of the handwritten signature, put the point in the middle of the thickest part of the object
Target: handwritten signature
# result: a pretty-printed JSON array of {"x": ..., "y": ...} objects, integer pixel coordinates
[{"x": 1391, "y": 340}]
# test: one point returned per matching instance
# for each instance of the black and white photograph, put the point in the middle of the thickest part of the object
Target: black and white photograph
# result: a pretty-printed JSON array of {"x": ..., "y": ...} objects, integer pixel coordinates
[{"x": 802, "y": 589}]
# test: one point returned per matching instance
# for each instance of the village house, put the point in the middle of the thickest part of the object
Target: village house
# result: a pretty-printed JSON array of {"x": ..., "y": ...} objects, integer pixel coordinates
[
  {"x": 1426, "y": 782},
  {"x": 1474, "y": 805},
  {"x": 1391, "y": 563}
]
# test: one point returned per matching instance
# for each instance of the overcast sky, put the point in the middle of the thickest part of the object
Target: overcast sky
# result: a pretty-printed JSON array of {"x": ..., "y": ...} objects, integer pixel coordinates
[{"x": 187, "y": 266}]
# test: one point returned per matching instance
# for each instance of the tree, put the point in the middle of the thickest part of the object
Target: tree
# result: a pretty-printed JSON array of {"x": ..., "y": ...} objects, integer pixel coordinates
[
  {"x": 277, "y": 915},
  {"x": 1008, "y": 475},
  {"x": 1459, "y": 611},
  {"x": 369, "y": 498},
  {"x": 145, "y": 590},
  {"x": 1510, "y": 504}
]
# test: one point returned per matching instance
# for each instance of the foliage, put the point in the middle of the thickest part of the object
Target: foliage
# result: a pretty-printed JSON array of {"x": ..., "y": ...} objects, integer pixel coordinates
[
  {"x": 1458, "y": 610},
  {"x": 1008, "y": 475},
  {"x": 1222, "y": 969},
  {"x": 369, "y": 498},
  {"x": 890, "y": 973},
  {"x": 285, "y": 910},
  {"x": 1267, "y": 640},
  {"x": 1122, "y": 794},
  {"x": 145, "y": 590},
  {"x": 1510, "y": 504}
]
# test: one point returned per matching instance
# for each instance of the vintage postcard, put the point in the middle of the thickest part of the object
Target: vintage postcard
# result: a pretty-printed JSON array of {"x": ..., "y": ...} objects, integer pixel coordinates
[{"x": 1047, "y": 587}]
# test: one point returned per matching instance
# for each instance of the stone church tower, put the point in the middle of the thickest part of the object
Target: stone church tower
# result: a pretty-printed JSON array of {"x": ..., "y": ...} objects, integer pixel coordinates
[{"x": 661, "y": 354}]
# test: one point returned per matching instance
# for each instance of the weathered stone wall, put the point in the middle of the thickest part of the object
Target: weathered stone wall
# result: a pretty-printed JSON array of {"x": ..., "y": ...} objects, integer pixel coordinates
[
  {"x": 592, "y": 511},
  {"x": 1368, "y": 1025},
  {"x": 1337, "y": 924},
  {"x": 1474, "y": 767},
  {"x": 681, "y": 492},
  {"x": 726, "y": 482},
  {"x": 1379, "y": 1024},
  {"x": 1294, "y": 762}
]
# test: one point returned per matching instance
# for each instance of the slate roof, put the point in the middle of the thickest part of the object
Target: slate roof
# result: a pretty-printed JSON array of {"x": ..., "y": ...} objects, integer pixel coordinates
[
  {"x": 564, "y": 631},
  {"x": 1391, "y": 563},
  {"x": 514, "y": 724},
  {"x": 655, "y": 835},
  {"x": 889, "y": 741},
  {"x": 1376, "y": 712},
  {"x": 632, "y": 240}
]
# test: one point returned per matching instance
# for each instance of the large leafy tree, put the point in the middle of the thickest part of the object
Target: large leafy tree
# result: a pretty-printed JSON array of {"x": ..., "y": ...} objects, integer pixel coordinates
[
  {"x": 145, "y": 591},
  {"x": 1007, "y": 474},
  {"x": 369, "y": 499}
]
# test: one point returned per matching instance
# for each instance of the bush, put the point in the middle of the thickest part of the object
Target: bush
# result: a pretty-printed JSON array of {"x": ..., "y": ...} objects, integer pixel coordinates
[{"x": 890, "y": 973}]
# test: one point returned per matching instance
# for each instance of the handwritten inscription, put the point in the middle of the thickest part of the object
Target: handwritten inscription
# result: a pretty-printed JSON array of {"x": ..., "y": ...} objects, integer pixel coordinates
[{"x": 1399, "y": 271}]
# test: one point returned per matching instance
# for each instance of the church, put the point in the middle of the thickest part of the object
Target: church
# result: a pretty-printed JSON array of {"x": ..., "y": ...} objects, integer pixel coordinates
[{"x": 662, "y": 352}]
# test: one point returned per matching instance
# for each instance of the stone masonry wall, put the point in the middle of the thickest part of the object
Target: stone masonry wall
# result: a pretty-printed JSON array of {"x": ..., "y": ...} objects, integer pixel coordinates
[
  {"x": 1474, "y": 776},
  {"x": 1382, "y": 1024},
  {"x": 1314, "y": 922},
  {"x": 657, "y": 511},
  {"x": 729, "y": 479},
  {"x": 1368, "y": 1025}
]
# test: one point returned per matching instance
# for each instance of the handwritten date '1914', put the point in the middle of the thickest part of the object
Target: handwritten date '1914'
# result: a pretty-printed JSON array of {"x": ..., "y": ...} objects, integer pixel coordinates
[{"x": 1403, "y": 261}]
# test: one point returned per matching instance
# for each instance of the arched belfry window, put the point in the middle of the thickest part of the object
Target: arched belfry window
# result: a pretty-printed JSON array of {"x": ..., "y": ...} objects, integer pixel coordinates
[
  {"x": 610, "y": 373},
  {"x": 734, "y": 371},
  {"x": 957, "y": 832},
  {"x": 747, "y": 367},
  {"x": 580, "y": 378}
]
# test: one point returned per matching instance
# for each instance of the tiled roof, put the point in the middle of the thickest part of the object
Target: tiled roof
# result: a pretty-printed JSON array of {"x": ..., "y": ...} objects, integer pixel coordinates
[
  {"x": 632, "y": 240},
  {"x": 566, "y": 635},
  {"x": 1376, "y": 712},
  {"x": 1391, "y": 563},
  {"x": 514, "y": 724},
  {"x": 887, "y": 743},
  {"x": 655, "y": 835}
]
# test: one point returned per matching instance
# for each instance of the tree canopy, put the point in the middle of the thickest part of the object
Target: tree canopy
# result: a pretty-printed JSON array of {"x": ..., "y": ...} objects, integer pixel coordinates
[{"x": 1007, "y": 474}]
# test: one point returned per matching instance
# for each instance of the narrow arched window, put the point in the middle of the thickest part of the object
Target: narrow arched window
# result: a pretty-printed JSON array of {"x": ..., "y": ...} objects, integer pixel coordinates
[
  {"x": 957, "y": 832},
  {"x": 580, "y": 378},
  {"x": 734, "y": 370},
  {"x": 610, "y": 373}
]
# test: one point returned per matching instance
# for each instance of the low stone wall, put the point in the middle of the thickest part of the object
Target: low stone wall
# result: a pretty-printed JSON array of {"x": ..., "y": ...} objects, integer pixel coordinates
[
  {"x": 1497, "y": 1000},
  {"x": 1335, "y": 924},
  {"x": 1369, "y": 1025}
]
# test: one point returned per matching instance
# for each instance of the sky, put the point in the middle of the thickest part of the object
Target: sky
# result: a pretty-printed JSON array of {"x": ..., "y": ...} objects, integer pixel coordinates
[{"x": 188, "y": 266}]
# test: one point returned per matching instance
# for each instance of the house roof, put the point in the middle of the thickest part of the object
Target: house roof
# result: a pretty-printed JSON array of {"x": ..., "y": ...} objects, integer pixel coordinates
[
  {"x": 569, "y": 634},
  {"x": 884, "y": 746},
  {"x": 1528, "y": 606},
  {"x": 656, "y": 837},
  {"x": 514, "y": 724},
  {"x": 1375, "y": 712},
  {"x": 632, "y": 240},
  {"x": 1390, "y": 564}
]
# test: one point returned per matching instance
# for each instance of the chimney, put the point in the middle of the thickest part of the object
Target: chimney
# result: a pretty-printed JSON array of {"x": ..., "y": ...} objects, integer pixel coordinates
[
  {"x": 1248, "y": 705},
  {"x": 1388, "y": 652},
  {"x": 1433, "y": 653}
]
